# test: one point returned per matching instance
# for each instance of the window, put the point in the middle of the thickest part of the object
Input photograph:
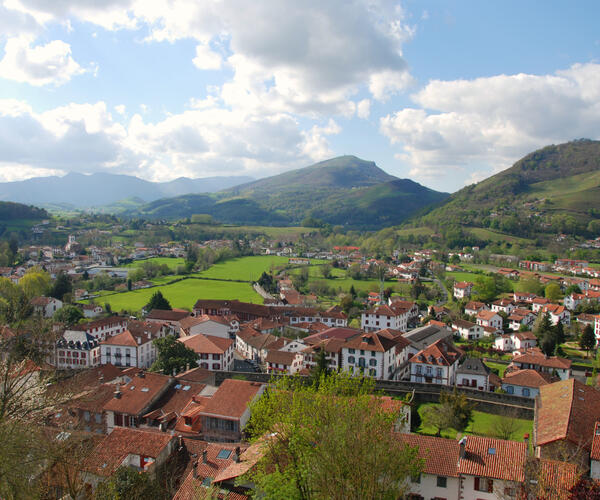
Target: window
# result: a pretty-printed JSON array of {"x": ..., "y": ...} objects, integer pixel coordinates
[
  {"x": 372, "y": 354},
  {"x": 86, "y": 416},
  {"x": 98, "y": 418},
  {"x": 416, "y": 479},
  {"x": 483, "y": 484},
  {"x": 351, "y": 358},
  {"x": 216, "y": 356},
  {"x": 428, "y": 370},
  {"x": 351, "y": 351},
  {"x": 526, "y": 391},
  {"x": 438, "y": 372},
  {"x": 441, "y": 481},
  {"x": 373, "y": 362},
  {"x": 419, "y": 369},
  {"x": 361, "y": 362},
  {"x": 510, "y": 389}
]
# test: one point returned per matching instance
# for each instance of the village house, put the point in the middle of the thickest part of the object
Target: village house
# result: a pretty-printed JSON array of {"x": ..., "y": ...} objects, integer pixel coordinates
[
  {"x": 526, "y": 382},
  {"x": 534, "y": 359},
  {"x": 557, "y": 313},
  {"x": 283, "y": 362},
  {"x": 519, "y": 341},
  {"x": 506, "y": 306},
  {"x": 171, "y": 317},
  {"x": 372, "y": 354},
  {"x": 474, "y": 374},
  {"x": 490, "y": 319},
  {"x": 436, "y": 364},
  {"x": 216, "y": 326},
  {"x": 92, "y": 310},
  {"x": 214, "y": 353},
  {"x": 462, "y": 289},
  {"x": 333, "y": 353},
  {"x": 135, "y": 399},
  {"x": 538, "y": 303},
  {"x": 225, "y": 415},
  {"x": 101, "y": 329},
  {"x": 393, "y": 316},
  {"x": 473, "y": 307},
  {"x": 46, "y": 306},
  {"x": 520, "y": 318},
  {"x": 467, "y": 330},
  {"x": 77, "y": 350},
  {"x": 133, "y": 347}
]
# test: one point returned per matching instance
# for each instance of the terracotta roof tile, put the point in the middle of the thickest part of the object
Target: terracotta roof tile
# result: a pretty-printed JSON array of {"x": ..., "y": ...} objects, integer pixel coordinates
[
  {"x": 207, "y": 344},
  {"x": 528, "y": 378},
  {"x": 232, "y": 398},
  {"x": 493, "y": 458},
  {"x": 138, "y": 393},
  {"x": 440, "y": 454}
]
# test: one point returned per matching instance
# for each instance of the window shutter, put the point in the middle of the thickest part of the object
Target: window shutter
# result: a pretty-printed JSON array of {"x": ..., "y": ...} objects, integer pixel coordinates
[
  {"x": 476, "y": 486},
  {"x": 490, "y": 486}
]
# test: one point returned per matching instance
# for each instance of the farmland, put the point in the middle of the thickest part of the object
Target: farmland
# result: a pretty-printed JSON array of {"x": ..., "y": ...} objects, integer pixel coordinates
[
  {"x": 169, "y": 261},
  {"x": 182, "y": 294},
  {"x": 243, "y": 268}
]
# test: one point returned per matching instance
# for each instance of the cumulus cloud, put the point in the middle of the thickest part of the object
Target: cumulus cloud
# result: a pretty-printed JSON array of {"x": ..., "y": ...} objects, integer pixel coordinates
[
  {"x": 206, "y": 58},
  {"x": 465, "y": 126},
  {"x": 196, "y": 143},
  {"x": 39, "y": 65}
]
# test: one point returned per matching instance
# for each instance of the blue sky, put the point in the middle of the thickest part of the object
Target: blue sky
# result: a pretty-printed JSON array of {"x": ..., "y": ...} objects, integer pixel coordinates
[{"x": 442, "y": 92}]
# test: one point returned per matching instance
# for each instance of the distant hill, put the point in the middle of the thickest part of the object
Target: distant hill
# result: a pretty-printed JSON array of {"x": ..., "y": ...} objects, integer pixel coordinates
[
  {"x": 344, "y": 190},
  {"x": 554, "y": 189},
  {"x": 14, "y": 211},
  {"x": 85, "y": 191}
]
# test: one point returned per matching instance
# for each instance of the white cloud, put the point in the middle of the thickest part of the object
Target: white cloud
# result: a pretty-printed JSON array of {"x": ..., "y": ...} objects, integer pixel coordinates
[
  {"x": 316, "y": 146},
  {"x": 206, "y": 58},
  {"x": 40, "y": 65},
  {"x": 465, "y": 127},
  {"x": 363, "y": 109},
  {"x": 120, "y": 108}
]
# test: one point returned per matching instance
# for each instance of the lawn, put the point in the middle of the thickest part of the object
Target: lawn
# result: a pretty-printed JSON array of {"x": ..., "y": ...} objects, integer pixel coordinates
[
  {"x": 243, "y": 268},
  {"x": 498, "y": 366},
  {"x": 490, "y": 235},
  {"x": 483, "y": 424},
  {"x": 169, "y": 261},
  {"x": 462, "y": 276},
  {"x": 183, "y": 294}
]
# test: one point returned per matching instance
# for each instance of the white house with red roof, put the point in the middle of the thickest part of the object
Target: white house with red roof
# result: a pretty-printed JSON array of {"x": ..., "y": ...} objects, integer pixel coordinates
[
  {"x": 77, "y": 350},
  {"x": 101, "y": 329},
  {"x": 133, "y": 347},
  {"x": 283, "y": 362},
  {"x": 519, "y": 318},
  {"x": 214, "y": 353},
  {"x": 503, "y": 305},
  {"x": 473, "y": 307},
  {"x": 462, "y": 289},
  {"x": 467, "y": 330},
  {"x": 46, "y": 306},
  {"x": 557, "y": 313},
  {"x": 393, "y": 316},
  {"x": 436, "y": 364},
  {"x": 216, "y": 326},
  {"x": 526, "y": 383},
  {"x": 536, "y": 360},
  {"x": 489, "y": 319},
  {"x": 374, "y": 354},
  {"x": 510, "y": 342}
]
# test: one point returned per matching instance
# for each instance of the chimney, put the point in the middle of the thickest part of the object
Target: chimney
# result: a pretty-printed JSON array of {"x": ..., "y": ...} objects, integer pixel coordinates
[
  {"x": 195, "y": 469},
  {"x": 139, "y": 339},
  {"x": 236, "y": 457},
  {"x": 463, "y": 444},
  {"x": 187, "y": 367},
  {"x": 180, "y": 440},
  {"x": 117, "y": 393},
  {"x": 204, "y": 457}
]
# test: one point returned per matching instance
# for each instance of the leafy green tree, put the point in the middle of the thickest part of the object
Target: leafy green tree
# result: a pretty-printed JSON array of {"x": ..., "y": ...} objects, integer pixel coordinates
[
  {"x": 172, "y": 356},
  {"x": 552, "y": 292},
  {"x": 157, "y": 301},
  {"x": 328, "y": 441},
  {"x": 61, "y": 286},
  {"x": 587, "y": 341},
  {"x": 321, "y": 369},
  {"x": 352, "y": 291},
  {"x": 68, "y": 315},
  {"x": 128, "y": 484},
  {"x": 455, "y": 411},
  {"x": 36, "y": 282},
  {"x": 326, "y": 271}
]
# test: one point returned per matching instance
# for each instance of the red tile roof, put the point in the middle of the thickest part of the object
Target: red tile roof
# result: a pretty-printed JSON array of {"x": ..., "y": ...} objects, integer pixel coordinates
[
  {"x": 232, "y": 398},
  {"x": 567, "y": 410},
  {"x": 528, "y": 378},
  {"x": 167, "y": 315},
  {"x": 441, "y": 455},
  {"x": 438, "y": 353},
  {"x": 280, "y": 357},
  {"x": 139, "y": 393},
  {"x": 493, "y": 458},
  {"x": 121, "y": 442},
  {"x": 534, "y": 358},
  {"x": 207, "y": 344},
  {"x": 371, "y": 342}
]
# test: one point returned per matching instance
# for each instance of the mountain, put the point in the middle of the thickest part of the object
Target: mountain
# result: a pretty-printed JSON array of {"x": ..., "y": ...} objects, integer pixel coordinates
[
  {"x": 84, "y": 191},
  {"x": 554, "y": 189},
  {"x": 344, "y": 190}
]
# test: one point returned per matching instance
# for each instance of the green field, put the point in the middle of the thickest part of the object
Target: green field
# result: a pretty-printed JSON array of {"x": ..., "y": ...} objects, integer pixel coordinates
[
  {"x": 182, "y": 294},
  {"x": 171, "y": 262},
  {"x": 462, "y": 276},
  {"x": 483, "y": 424},
  {"x": 243, "y": 268},
  {"x": 490, "y": 235},
  {"x": 500, "y": 367}
]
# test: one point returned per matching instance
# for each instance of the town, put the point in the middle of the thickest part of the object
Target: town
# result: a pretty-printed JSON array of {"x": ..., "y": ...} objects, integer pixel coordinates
[{"x": 167, "y": 386}]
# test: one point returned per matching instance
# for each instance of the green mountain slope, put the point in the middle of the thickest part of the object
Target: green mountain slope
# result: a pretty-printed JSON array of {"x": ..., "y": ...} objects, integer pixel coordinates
[
  {"x": 554, "y": 189},
  {"x": 345, "y": 191}
]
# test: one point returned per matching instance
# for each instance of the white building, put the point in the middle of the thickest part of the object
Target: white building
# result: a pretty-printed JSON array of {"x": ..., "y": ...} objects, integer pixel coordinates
[
  {"x": 462, "y": 289},
  {"x": 525, "y": 383},
  {"x": 489, "y": 319},
  {"x": 77, "y": 350},
  {"x": 467, "y": 330},
  {"x": 101, "y": 329},
  {"x": 133, "y": 347},
  {"x": 214, "y": 353},
  {"x": 436, "y": 364},
  {"x": 380, "y": 317},
  {"x": 46, "y": 306},
  {"x": 515, "y": 341}
]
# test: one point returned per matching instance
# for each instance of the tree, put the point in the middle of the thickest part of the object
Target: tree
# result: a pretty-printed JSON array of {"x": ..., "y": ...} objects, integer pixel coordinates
[
  {"x": 587, "y": 341},
  {"x": 172, "y": 356},
  {"x": 326, "y": 271},
  {"x": 328, "y": 441},
  {"x": 506, "y": 425},
  {"x": 552, "y": 292},
  {"x": 321, "y": 369},
  {"x": 157, "y": 301},
  {"x": 68, "y": 315},
  {"x": 127, "y": 483},
  {"x": 454, "y": 411},
  {"x": 585, "y": 489},
  {"x": 36, "y": 282},
  {"x": 61, "y": 286},
  {"x": 352, "y": 291}
]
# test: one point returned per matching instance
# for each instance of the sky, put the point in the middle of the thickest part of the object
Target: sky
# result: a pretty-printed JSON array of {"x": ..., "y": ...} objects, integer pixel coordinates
[{"x": 445, "y": 93}]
